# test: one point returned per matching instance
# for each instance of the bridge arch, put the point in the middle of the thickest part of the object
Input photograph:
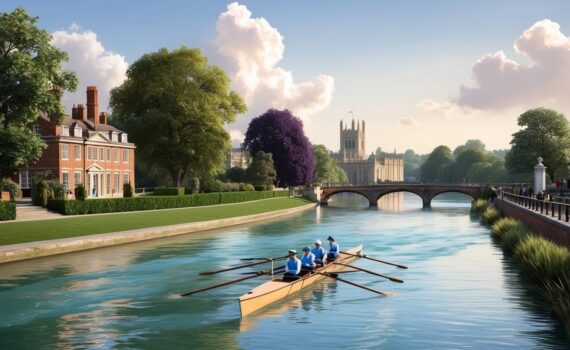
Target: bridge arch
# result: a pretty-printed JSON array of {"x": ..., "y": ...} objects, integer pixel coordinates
[
  {"x": 467, "y": 193},
  {"x": 325, "y": 199},
  {"x": 398, "y": 190}
]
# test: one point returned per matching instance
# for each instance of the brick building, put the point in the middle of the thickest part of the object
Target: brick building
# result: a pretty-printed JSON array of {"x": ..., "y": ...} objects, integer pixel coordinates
[{"x": 84, "y": 149}]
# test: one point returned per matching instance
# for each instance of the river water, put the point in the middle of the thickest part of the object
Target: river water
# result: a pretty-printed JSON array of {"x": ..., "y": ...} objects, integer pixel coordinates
[{"x": 460, "y": 292}]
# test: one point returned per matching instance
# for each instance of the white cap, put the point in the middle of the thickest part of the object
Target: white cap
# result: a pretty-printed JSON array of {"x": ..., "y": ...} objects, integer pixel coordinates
[
  {"x": 292, "y": 251},
  {"x": 318, "y": 241}
]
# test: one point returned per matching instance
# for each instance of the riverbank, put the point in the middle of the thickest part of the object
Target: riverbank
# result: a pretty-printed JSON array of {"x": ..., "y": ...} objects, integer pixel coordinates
[{"x": 26, "y": 240}]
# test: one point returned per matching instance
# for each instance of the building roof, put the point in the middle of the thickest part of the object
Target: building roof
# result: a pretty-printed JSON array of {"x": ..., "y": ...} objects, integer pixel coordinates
[{"x": 84, "y": 124}]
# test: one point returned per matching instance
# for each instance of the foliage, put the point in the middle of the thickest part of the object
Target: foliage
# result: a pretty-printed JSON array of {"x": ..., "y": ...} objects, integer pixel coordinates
[
  {"x": 412, "y": 164},
  {"x": 542, "y": 259},
  {"x": 174, "y": 106},
  {"x": 490, "y": 215},
  {"x": 46, "y": 190},
  {"x": 7, "y": 211},
  {"x": 235, "y": 174},
  {"x": 246, "y": 187},
  {"x": 113, "y": 205},
  {"x": 465, "y": 161},
  {"x": 281, "y": 134},
  {"x": 435, "y": 167},
  {"x": 557, "y": 293},
  {"x": 127, "y": 190},
  {"x": 80, "y": 192},
  {"x": 12, "y": 187},
  {"x": 31, "y": 69},
  {"x": 169, "y": 191},
  {"x": 480, "y": 205},
  {"x": 470, "y": 145},
  {"x": 504, "y": 225},
  {"x": 545, "y": 133},
  {"x": 261, "y": 171},
  {"x": 514, "y": 236},
  {"x": 326, "y": 169}
]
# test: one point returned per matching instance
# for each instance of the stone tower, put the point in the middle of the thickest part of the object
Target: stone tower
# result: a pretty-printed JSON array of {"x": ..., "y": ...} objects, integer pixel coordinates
[{"x": 352, "y": 141}]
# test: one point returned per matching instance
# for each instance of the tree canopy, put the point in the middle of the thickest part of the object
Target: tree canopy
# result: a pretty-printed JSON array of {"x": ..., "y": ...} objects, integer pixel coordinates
[
  {"x": 174, "y": 106},
  {"x": 31, "y": 80},
  {"x": 435, "y": 166},
  {"x": 545, "y": 133},
  {"x": 281, "y": 134},
  {"x": 261, "y": 171},
  {"x": 326, "y": 169}
]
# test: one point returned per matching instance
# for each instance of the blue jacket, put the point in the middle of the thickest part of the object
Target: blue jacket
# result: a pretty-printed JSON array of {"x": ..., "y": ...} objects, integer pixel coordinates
[
  {"x": 320, "y": 254},
  {"x": 334, "y": 249},
  {"x": 293, "y": 267},
  {"x": 308, "y": 260}
]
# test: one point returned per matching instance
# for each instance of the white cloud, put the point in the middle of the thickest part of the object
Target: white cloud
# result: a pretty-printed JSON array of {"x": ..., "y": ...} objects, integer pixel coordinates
[
  {"x": 250, "y": 50},
  {"x": 502, "y": 83},
  {"x": 448, "y": 109},
  {"x": 237, "y": 137},
  {"x": 94, "y": 65},
  {"x": 409, "y": 122}
]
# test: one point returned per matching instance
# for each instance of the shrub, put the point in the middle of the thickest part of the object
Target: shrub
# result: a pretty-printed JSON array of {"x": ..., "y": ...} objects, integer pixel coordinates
[
  {"x": 112, "y": 205},
  {"x": 487, "y": 192},
  {"x": 490, "y": 215},
  {"x": 12, "y": 187},
  {"x": 542, "y": 259},
  {"x": 503, "y": 225},
  {"x": 127, "y": 190},
  {"x": 513, "y": 237},
  {"x": 480, "y": 205},
  {"x": 281, "y": 193},
  {"x": 80, "y": 193},
  {"x": 557, "y": 293},
  {"x": 7, "y": 211},
  {"x": 169, "y": 191}
]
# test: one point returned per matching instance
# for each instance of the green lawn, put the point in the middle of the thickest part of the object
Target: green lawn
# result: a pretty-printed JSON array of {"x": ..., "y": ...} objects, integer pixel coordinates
[{"x": 29, "y": 231}]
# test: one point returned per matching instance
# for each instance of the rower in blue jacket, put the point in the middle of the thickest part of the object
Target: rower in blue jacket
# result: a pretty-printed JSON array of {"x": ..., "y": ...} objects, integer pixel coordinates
[
  {"x": 307, "y": 261},
  {"x": 334, "y": 249},
  {"x": 320, "y": 253},
  {"x": 292, "y": 267}
]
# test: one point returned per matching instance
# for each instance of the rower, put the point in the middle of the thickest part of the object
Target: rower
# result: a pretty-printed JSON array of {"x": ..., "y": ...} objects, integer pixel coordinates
[
  {"x": 334, "y": 249},
  {"x": 292, "y": 267},
  {"x": 320, "y": 253},
  {"x": 307, "y": 261}
]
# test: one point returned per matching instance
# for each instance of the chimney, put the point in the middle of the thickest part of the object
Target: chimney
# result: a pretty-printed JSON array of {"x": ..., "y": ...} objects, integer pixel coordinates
[
  {"x": 92, "y": 105},
  {"x": 74, "y": 112},
  {"x": 103, "y": 118},
  {"x": 80, "y": 112}
]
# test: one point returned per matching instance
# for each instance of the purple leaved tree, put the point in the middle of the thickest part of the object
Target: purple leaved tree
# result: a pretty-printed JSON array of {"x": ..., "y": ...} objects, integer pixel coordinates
[{"x": 281, "y": 134}]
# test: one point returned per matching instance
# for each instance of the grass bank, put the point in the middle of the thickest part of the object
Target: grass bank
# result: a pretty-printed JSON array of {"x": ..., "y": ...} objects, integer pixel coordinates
[
  {"x": 30, "y": 231},
  {"x": 545, "y": 263}
]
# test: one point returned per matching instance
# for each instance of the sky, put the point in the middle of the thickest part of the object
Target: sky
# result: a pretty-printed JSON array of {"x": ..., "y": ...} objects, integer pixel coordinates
[{"x": 420, "y": 73}]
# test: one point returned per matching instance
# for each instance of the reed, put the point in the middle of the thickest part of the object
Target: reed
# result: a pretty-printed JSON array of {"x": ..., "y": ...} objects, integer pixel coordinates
[
  {"x": 514, "y": 236},
  {"x": 480, "y": 205},
  {"x": 503, "y": 225},
  {"x": 557, "y": 293},
  {"x": 543, "y": 260},
  {"x": 490, "y": 215}
]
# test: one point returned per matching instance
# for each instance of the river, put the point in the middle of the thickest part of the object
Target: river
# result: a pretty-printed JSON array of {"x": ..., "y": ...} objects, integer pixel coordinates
[{"x": 460, "y": 292}]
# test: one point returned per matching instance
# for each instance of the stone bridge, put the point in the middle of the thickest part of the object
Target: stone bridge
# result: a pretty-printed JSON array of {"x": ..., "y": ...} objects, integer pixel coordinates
[{"x": 426, "y": 191}]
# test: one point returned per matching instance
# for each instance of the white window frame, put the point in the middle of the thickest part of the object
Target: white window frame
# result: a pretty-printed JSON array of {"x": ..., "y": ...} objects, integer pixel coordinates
[
  {"x": 65, "y": 130},
  {"x": 77, "y": 152},
  {"x": 108, "y": 154},
  {"x": 127, "y": 175},
  {"x": 75, "y": 174},
  {"x": 101, "y": 154},
  {"x": 63, "y": 173},
  {"x": 64, "y": 154},
  {"x": 116, "y": 182},
  {"x": 108, "y": 183},
  {"x": 125, "y": 152},
  {"x": 77, "y": 132},
  {"x": 25, "y": 184},
  {"x": 116, "y": 155},
  {"x": 124, "y": 138}
]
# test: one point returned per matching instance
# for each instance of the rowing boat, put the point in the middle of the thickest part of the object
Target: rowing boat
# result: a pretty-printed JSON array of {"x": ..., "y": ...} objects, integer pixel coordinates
[{"x": 277, "y": 289}]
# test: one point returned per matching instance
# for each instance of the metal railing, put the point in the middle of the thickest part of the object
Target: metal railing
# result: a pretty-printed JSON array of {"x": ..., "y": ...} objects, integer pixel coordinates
[{"x": 548, "y": 207}]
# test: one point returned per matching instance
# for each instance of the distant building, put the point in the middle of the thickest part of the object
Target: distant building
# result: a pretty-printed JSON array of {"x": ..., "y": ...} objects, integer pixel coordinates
[
  {"x": 237, "y": 157},
  {"x": 361, "y": 169},
  {"x": 84, "y": 149}
]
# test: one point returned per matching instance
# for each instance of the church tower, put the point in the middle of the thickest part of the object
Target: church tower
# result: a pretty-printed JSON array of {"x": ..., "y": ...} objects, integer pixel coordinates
[{"x": 352, "y": 141}]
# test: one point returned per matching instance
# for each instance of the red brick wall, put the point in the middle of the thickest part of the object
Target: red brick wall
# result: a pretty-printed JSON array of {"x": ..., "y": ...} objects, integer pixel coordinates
[{"x": 550, "y": 229}]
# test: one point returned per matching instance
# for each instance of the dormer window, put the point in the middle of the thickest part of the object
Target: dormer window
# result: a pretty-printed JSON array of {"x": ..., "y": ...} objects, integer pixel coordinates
[
  {"x": 115, "y": 137},
  {"x": 77, "y": 132},
  {"x": 124, "y": 138},
  {"x": 65, "y": 130}
]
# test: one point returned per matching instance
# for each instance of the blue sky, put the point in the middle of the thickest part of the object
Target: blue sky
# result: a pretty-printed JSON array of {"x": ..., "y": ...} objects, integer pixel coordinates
[{"x": 384, "y": 56}]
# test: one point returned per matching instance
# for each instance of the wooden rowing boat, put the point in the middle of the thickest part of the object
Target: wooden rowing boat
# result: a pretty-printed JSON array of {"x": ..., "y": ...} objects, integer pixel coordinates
[{"x": 274, "y": 290}]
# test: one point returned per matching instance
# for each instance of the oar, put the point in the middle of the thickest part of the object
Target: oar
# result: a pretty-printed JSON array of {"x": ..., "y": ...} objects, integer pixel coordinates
[
  {"x": 257, "y": 274},
  {"x": 274, "y": 270},
  {"x": 251, "y": 259},
  {"x": 393, "y": 279},
  {"x": 334, "y": 276},
  {"x": 207, "y": 273},
  {"x": 377, "y": 260}
]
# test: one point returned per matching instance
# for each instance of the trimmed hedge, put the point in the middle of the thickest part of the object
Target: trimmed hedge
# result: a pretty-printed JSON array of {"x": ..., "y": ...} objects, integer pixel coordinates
[
  {"x": 168, "y": 191},
  {"x": 7, "y": 211},
  {"x": 115, "y": 205}
]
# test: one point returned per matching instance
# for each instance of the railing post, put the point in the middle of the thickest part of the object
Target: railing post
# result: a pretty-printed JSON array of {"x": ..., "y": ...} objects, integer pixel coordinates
[{"x": 559, "y": 211}]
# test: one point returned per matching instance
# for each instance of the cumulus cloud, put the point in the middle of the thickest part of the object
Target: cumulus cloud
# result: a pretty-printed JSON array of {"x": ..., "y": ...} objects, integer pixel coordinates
[
  {"x": 448, "y": 109},
  {"x": 409, "y": 122},
  {"x": 250, "y": 50},
  {"x": 237, "y": 137},
  {"x": 501, "y": 83},
  {"x": 94, "y": 64}
]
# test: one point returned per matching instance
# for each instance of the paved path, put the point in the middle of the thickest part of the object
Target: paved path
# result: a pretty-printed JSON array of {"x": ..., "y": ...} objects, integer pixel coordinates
[{"x": 27, "y": 211}]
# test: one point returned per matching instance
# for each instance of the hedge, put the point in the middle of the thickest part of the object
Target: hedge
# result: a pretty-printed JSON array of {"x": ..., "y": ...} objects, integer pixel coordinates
[
  {"x": 114, "y": 205},
  {"x": 7, "y": 211},
  {"x": 169, "y": 191}
]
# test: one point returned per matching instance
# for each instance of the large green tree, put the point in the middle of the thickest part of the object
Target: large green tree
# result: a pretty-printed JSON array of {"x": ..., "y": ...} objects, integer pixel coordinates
[
  {"x": 545, "y": 133},
  {"x": 326, "y": 169},
  {"x": 261, "y": 171},
  {"x": 471, "y": 144},
  {"x": 174, "y": 106},
  {"x": 436, "y": 165},
  {"x": 31, "y": 80}
]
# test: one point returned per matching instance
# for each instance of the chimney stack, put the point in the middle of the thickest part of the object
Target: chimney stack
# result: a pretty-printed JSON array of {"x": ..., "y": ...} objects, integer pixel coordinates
[
  {"x": 103, "y": 118},
  {"x": 93, "y": 105},
  {"x": 79, "y": 112}
]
